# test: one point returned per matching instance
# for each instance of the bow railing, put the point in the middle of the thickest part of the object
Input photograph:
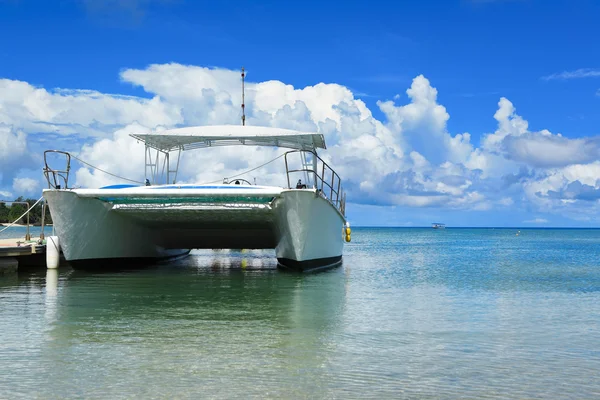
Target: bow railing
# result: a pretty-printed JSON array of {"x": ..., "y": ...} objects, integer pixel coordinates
[
  {"x": 318, "y": 175},
  {"x": 57, "y": 178}
]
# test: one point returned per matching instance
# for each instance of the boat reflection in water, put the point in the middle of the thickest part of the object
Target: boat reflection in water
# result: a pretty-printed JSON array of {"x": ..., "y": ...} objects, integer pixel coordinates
[{"x": 214, "y": 320}]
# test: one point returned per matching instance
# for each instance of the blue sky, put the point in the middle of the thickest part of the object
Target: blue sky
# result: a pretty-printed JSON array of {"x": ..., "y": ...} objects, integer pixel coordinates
[{"x": 474, "y": 52}]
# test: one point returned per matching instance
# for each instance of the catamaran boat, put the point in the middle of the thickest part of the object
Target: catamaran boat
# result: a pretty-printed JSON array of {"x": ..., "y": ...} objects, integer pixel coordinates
[{"x": 304, "y": 221}]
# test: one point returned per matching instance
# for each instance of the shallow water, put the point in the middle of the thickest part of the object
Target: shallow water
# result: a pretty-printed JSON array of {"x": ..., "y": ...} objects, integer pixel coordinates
[
  {"x": 19, "y": 232},
  {"x": 412, "y": 313}
]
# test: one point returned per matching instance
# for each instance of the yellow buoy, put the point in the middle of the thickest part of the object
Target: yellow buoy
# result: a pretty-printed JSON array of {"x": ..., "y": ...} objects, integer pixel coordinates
[
  {"x": 347, "y": 238},
  {"x": 348, "y": 231}
]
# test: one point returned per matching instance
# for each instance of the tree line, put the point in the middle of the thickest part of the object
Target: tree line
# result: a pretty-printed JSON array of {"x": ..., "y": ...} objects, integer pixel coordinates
[{"x": 11, "y": 211}]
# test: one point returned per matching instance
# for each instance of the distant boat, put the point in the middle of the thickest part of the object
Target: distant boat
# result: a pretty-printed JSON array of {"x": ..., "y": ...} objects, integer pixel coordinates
[{"x": 438, "y": 225}]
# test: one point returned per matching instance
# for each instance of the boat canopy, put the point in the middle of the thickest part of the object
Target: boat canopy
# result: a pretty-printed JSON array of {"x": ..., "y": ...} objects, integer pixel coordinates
[{"x": 230, "y": 135}]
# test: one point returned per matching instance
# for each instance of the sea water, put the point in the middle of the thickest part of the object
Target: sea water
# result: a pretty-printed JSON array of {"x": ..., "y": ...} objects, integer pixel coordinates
[
  {"x": 412, "y": 313},
  {"x": 19, "y": 232}
]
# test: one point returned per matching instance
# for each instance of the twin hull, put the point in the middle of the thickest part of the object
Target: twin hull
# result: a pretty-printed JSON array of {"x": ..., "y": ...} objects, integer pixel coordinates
[{"x": 303, "y": 227}]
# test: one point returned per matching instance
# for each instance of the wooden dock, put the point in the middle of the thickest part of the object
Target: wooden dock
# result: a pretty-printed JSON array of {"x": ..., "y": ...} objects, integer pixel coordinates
[{"x": 15, "y": 253}]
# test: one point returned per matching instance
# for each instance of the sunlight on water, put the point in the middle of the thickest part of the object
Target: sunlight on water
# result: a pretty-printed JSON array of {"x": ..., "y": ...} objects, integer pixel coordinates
[
  {"x": 19, "y": 232},
  {"x": 412, "y": 313}
]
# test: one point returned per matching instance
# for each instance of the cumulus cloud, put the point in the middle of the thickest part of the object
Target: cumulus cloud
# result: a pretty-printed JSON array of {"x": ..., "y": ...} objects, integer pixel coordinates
[
  {"x": 545, "y": 150},
  {"x": 575, "y": 182},
  {"x": 542, "y": 149},
  {"x": 26, "y": 186},
  {"x": 409, "y": 158},
  {"x": 369, "y": 154},
  {"x": 577, "y": 191},
  {"x": 77, "y": 112},
  {"x": 510, "y": 124},
  {"x": 119, "y": 154},
  {"x": 13, "y": 152}
]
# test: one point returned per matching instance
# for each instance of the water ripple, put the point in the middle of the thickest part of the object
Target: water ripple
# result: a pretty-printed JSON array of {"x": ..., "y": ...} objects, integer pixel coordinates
[{"x": 413, "y": 313}]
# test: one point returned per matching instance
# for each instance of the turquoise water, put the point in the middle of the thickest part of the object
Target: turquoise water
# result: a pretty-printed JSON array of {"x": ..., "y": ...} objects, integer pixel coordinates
[
  {"x": 15, "y": 232},
  {"x": 412, "y": 313}
]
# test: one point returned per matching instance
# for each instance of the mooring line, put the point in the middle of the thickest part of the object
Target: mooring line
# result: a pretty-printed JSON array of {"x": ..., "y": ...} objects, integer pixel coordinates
[{"x": 106, "y": 172}]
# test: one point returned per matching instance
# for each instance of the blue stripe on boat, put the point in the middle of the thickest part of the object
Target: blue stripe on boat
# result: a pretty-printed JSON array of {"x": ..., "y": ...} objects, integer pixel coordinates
[
  {"x": 204, "y": 187},
  {"x": 127, "y": 186},
  {"x": 123, "y": 186}
]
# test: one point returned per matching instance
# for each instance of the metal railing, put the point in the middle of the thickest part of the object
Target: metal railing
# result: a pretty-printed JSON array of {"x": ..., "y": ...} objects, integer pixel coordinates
[
  {"x": 54, "y": 176},
  {"x": 327, "y": 182}
]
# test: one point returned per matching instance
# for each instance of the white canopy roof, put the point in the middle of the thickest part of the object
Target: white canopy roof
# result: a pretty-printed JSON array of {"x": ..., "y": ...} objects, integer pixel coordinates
[{"x": 230, "y": 135}]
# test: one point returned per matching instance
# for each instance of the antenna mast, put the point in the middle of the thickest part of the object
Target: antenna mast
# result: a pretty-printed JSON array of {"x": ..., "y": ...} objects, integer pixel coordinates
[{"x": 243, "y": 99}]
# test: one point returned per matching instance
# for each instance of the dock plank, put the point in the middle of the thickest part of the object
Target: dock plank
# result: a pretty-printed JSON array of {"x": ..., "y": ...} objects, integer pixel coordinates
[{"x": 24, "y": 252}]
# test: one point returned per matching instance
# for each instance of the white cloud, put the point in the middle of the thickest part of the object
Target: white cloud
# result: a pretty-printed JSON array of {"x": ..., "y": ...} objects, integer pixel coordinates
[
  {"x": 421, "y": 125},
  {"x": 120, "y": 155},
  {"x": 565, "y": 187},
  {"x": 408, "y": 158},
  {"x": 4, "y": 195},
  {"x": 367, "y": 153},
  {"x": 81, "y": 112},
  {"x": 577, "y": 74},
  {"x": 26, "y": 186},
  {"x": 547, "y": 150},
  {"x": 12, "y": 143},
  {"x": 541, "y": 149},
  {"x": 509, "y": 124},
  {"x": 536, "y": 221},
  {"x": 13, "y": 152}
]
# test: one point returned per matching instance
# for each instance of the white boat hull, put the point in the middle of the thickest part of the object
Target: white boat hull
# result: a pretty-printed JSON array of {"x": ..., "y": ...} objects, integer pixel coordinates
[
  {"x": 309, "y": 231},
  {"x": 303, "y": 227}
]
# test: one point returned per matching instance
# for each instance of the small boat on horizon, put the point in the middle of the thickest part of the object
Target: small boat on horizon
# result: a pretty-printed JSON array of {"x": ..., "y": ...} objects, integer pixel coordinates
[{"x": 438, "y": 225}]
